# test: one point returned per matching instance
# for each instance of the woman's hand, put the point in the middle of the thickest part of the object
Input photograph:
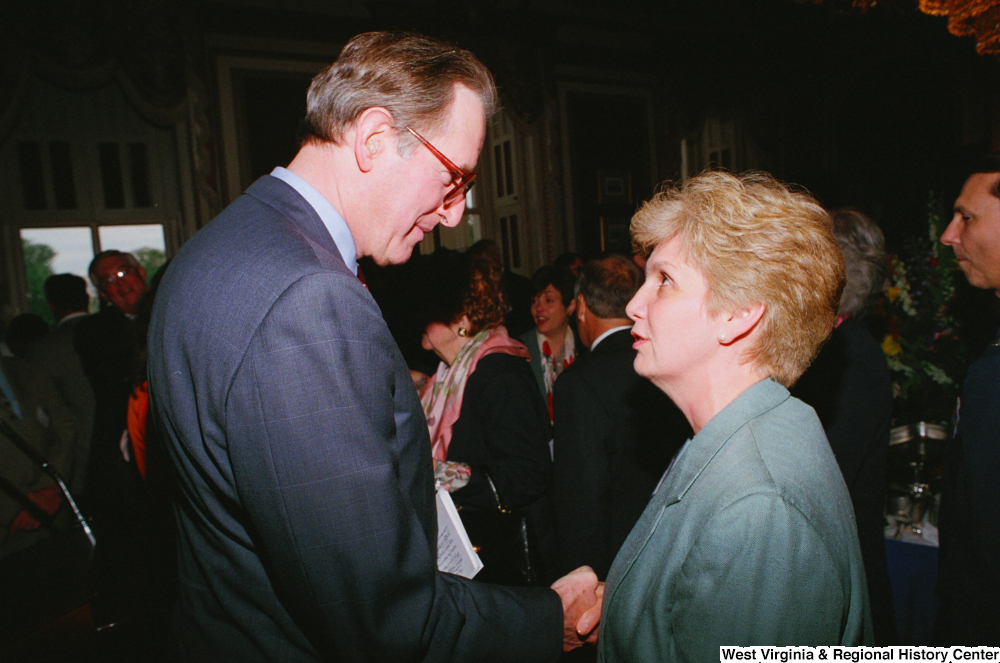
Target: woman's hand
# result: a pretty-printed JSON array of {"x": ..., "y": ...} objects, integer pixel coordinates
[{"x": 419, "y": 379}]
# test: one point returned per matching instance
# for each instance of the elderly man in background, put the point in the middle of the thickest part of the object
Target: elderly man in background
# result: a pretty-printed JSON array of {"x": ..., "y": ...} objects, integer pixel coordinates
[
  {"x": 969, "y": 558},
  {"x": 307, "y": 529},
  {"x": 849, "y": 386},
  {"x": 106, "y": 344},
  {"x": 615, "y": 433}
]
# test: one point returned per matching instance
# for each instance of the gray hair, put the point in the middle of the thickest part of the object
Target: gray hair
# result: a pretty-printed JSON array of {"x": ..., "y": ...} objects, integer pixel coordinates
[
  {"x": 608, "y": 285},
  {"x": 863, "y": 246},
  {"x": 411, "y": 76},
  {"x": 110, "y": 253}
]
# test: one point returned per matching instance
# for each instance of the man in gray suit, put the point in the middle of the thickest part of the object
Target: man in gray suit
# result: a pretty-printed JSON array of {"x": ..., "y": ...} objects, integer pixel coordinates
[
  {"x": 68, "y": 300},
  {"x": 307, "y": 525}
]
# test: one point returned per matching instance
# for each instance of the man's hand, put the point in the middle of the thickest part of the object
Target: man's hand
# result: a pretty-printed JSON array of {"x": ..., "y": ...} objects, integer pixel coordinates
[
  {"x": 48, "y": 500},
  {"x": 578, "y": 593},
  {"x": 590, "y": 622}
]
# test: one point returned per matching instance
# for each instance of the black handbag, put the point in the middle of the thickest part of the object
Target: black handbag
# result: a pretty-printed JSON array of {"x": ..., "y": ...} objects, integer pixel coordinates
[{"x": 503, "y": 541}]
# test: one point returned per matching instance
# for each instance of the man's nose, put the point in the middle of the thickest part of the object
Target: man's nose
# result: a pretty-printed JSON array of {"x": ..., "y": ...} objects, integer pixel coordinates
[
  {"x": 950, "y": 236},
  {"x": 452, "y": 215}
]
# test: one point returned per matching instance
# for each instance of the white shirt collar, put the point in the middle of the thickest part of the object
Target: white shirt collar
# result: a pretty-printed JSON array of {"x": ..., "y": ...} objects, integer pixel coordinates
[
  {"x": 608, "y": 333},
  {"x": 334, "y": 223},
  {"x": 70, "y": 316}
]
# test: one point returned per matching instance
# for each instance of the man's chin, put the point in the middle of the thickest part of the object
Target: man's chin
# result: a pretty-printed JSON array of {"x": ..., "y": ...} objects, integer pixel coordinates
[{"x": 396, "y": 257}]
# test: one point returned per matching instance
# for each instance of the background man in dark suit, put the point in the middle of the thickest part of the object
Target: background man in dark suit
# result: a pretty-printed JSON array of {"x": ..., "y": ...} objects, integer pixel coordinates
[
  {"x": 615, "y": 433},
  {"x": 969, "y": 561},
  {"x": 307, "y": 526},
  {"x": 106, "y": 344}
]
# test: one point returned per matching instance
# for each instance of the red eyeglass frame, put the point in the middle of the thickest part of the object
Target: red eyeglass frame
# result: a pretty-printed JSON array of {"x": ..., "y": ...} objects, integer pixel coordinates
[{"x": 462, "y": 181}]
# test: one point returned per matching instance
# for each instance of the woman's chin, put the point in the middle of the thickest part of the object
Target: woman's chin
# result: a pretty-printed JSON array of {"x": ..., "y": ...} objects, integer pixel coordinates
[{"x": 550, "y": 330}]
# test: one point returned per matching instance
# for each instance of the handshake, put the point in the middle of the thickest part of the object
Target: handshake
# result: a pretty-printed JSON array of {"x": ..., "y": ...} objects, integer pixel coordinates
[{"x": 581, "y": 596}]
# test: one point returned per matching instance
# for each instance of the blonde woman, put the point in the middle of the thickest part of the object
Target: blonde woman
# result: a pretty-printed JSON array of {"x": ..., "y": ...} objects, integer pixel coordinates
[{"x": 750, "y": 537}]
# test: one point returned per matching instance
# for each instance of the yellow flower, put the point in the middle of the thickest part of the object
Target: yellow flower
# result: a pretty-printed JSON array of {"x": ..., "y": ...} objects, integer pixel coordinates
[
  {"x": 892, "y": 293},
  {"x": 890, "y": 347}
]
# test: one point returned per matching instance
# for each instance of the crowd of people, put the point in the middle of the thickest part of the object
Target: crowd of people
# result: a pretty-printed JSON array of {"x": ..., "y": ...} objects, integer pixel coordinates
[{"x": 655, "y": 454}]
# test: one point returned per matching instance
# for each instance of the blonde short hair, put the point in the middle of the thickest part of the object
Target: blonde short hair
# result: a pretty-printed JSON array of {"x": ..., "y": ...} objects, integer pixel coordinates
[{"x": 755, "y": 240}]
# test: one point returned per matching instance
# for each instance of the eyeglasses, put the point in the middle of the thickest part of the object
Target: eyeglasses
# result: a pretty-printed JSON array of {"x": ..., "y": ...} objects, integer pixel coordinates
[
  {"x": 111, "y": 279},
  {"x": 461, "y": 181}
]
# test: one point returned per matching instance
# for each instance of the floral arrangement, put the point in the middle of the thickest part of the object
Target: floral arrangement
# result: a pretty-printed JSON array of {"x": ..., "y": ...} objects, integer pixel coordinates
[{"x": 926, "y": 356}]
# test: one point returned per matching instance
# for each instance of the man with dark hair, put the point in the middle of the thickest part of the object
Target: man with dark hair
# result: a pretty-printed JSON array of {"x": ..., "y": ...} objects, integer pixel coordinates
[
  {"x": 968, "y": 562},
  {"x": 68, "y": 300},
  {"x": 307, "y": 529},
  {"x": 66, "y": 295},
  {"x": 615, "y": 432}
]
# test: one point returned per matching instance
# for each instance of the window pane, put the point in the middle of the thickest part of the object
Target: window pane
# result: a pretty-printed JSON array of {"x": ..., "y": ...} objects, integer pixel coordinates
[
  {"x": 145, "y": 242},
  {"x": 29, "y": 157},
  {"x": 62, "y": 175},
  {"x": 505, "y": 242},
  {"x": 139, "y": 172},
  {"x": 515, "y": 243},
  {"x": 49, "y": 251},
  {"x": 498, "y": 169},
  {"x": 508, "y": 167},
  {"x": 111, "y": 175}
]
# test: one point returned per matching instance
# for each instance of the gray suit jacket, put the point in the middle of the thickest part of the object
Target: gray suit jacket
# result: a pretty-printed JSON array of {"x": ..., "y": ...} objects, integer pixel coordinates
[
  {"x": 47, "y": 424},
  {"x": 307, "y": 525},
  {"x": 749, "y": 540},
  {"x": 56, "y": 354}
]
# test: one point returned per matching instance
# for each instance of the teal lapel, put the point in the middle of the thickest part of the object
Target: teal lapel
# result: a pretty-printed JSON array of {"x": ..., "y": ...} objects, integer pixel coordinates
[{"x": 690, "y": 462}]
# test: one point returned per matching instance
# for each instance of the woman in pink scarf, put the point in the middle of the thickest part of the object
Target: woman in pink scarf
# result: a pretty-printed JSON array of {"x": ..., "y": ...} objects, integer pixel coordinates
[{"x": 488, "y": 422}]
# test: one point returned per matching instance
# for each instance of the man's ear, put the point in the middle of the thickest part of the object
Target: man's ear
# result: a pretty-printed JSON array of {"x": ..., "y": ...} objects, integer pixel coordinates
[
  {"x": 581, "y": 309},
  {"x": 571, "y": 309},
  {"x": 738, "y": 324},
  {"x": 373, "y": 131}
]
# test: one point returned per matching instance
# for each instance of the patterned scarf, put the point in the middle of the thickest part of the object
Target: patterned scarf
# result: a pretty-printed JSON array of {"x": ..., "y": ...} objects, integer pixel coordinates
[
  {"x": 441, "y": 397},
  {"x": 552, "y": 366}
]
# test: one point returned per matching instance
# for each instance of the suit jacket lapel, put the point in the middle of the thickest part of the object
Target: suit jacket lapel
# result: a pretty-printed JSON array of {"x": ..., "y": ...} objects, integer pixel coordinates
[
  {"x": 696, "y": 454},
  {"x": 279, "y": 195}
]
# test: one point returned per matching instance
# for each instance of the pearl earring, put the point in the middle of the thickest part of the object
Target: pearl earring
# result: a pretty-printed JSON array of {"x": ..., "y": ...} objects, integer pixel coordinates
[{"x": 722, "y": 338}]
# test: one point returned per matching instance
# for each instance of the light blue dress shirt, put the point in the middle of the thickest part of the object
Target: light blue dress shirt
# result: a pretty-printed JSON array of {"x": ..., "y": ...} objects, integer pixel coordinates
[{"x": 334, "y": 223}]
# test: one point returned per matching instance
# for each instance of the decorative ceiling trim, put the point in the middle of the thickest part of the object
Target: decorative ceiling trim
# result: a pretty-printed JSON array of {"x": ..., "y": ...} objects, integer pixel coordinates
[{"x": 966, "y": 18}]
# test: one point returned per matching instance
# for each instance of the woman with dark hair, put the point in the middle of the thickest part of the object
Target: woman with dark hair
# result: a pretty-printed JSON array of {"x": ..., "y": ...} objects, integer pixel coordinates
[
  {"x": 488, "y": 425},
  {"x": 552, "y": 344}
]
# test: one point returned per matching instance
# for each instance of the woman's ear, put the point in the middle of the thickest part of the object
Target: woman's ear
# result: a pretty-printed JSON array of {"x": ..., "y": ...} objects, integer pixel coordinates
[
  {"x": 740, "y": 323},
  {"x": 463, "y": 323}
]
